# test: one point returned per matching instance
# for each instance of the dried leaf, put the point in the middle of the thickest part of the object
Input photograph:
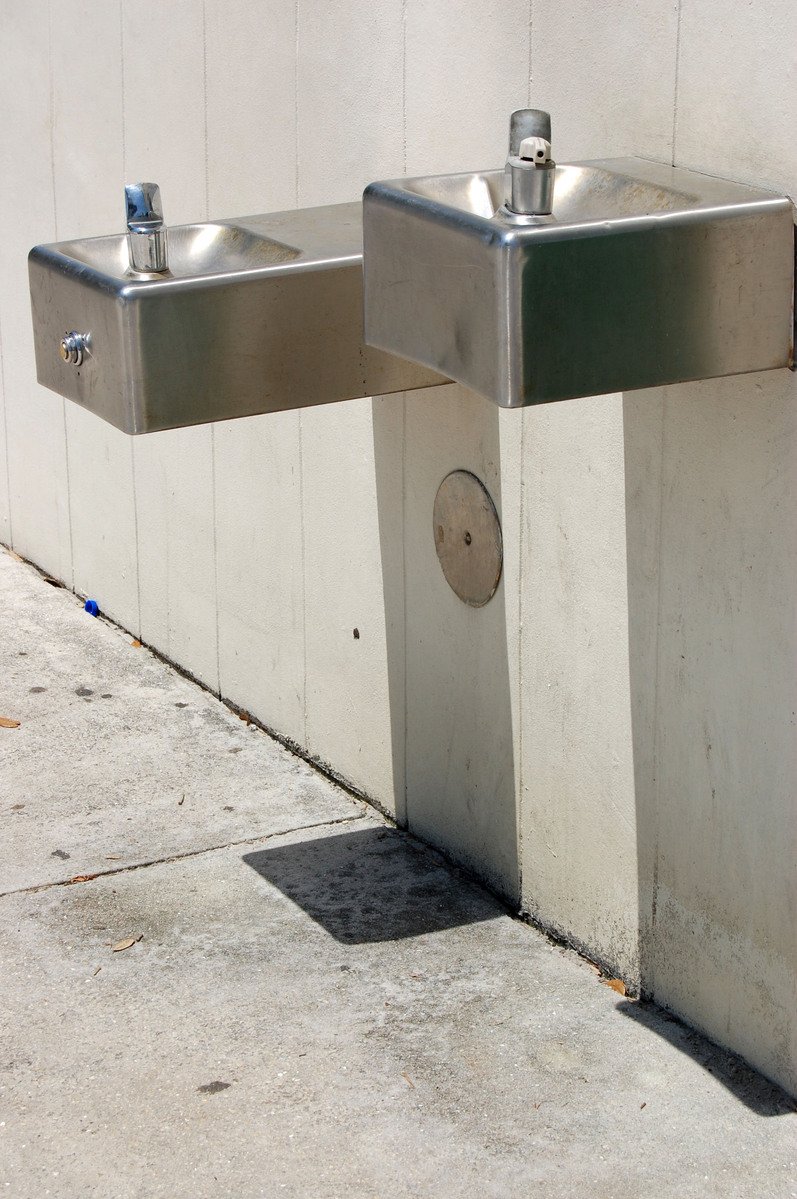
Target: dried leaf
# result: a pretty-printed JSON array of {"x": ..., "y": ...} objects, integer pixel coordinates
[
  {"x": 81, "y": 878},
  {"x": 136, "y": 644},
  {"x": 616, "y": 984},
  {"x": 7, "y": 723},
  {"x": 128, "y": 943},
  {"x": 407, "y": 1079}
]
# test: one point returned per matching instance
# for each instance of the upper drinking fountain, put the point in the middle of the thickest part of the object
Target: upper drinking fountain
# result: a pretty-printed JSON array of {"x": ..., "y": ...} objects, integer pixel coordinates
[{"x": 547, "y": 282}]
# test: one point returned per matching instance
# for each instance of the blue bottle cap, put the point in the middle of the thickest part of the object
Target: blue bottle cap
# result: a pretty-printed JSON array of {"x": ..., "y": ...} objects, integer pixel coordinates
[{"x": 92, "y": 607}]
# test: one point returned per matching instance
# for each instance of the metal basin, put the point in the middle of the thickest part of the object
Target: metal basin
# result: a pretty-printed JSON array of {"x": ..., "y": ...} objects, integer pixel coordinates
[
  {"x": 643, "y": 275},
  {"x": 194, "y": 250},
  {"x": 253, "y": 315}
]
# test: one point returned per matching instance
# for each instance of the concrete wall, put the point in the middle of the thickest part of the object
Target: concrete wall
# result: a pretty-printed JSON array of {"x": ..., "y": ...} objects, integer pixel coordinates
[{"x": 611, "y": 741}]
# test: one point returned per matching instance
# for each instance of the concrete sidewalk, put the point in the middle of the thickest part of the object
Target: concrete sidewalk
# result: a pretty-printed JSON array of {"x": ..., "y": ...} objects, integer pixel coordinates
[{"x": 313, "y": 1004}]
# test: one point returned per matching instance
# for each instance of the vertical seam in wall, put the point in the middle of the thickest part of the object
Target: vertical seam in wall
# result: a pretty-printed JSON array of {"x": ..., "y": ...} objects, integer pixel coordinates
[
  {"x": 205, "y": 104},
  {"x": 132, "y": 439},
  {"x": 404, "y": 85},
  {"x": 296, "y": 98},
  {"x": 650, "y": 956},
  {"x": 123, "y": 82},
  {"x": 531, "y": 15},
  {"x": 521, "y": 551},
  {"x": 51, "y": 123},
  {"x": 304, "y": 584},
  {"x": 299, "y": 415},
  {"x": 135, "y": 534},
  {"x": 522, "y": 540},
  {"x": 404, "y": 815},
  {"x": 5, "y": 441},
  {"x": 71, "y": 579},
  {"x": 214, "y": 507},
  {"x": 675, "y": 88},
  {"x": 522, "y": 543}
]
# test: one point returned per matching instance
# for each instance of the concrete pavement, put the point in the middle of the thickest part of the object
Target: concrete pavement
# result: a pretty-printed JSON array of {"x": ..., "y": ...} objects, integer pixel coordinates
[{"x": 311, "y": 1003}]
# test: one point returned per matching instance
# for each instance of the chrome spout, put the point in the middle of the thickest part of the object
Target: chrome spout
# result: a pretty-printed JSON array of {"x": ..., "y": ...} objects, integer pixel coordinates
[
  {"x": 146, "y": 232},
  {"x": 528, "y": 122},
  {"x": 530, "y": 169}
]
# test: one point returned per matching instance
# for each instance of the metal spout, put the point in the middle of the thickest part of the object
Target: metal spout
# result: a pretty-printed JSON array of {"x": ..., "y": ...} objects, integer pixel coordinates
[
  {"x": 146, "y": 232},
  {"x": 528, "y": 122},
  {"x": 530, "y": 169}
]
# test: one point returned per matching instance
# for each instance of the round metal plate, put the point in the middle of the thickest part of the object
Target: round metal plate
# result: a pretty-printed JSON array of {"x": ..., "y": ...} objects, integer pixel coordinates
[{"x": 467, "y": 537}]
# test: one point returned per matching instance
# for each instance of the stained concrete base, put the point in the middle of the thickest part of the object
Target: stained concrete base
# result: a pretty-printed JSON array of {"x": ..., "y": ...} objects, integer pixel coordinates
[{"x": 317, "y": 1005}]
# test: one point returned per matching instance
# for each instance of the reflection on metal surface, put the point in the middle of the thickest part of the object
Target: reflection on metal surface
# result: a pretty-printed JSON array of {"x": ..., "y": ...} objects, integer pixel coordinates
[
  {"x": 467, "y": 537},
  {"x": 643, "y": 274}
]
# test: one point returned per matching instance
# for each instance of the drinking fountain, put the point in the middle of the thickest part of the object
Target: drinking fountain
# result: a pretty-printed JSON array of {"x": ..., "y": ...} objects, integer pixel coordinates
[
  {"x": 554, "y": 281},
  {"x": 542, "y": 281}
]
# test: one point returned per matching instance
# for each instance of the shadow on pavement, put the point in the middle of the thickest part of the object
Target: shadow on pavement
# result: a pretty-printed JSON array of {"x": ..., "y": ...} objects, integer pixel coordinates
[
  {"x": 373, "y": 885},
  {"x": 763, "y": 1097}
]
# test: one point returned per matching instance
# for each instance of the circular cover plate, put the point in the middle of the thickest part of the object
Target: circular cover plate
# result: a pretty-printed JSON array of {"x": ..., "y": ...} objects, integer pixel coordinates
[{"x": 467, "y": 537}]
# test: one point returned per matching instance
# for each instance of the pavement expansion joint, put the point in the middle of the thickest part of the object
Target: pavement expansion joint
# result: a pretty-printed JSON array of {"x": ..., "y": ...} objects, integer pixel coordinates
[{"x": 178, "y": 857}]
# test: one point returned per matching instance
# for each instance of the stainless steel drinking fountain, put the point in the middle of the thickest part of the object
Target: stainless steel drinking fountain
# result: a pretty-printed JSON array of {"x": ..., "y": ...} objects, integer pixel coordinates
[
  {"x": 244, "y": 317},
  {"x": 540, "y": 282},
  {"x": 550, "y": 282}
]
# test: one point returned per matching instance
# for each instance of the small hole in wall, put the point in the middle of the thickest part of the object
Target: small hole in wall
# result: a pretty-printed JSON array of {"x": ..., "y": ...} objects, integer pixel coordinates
[
  {"x": 468, "y": 538},
  {"x": 356, "y": 634}
]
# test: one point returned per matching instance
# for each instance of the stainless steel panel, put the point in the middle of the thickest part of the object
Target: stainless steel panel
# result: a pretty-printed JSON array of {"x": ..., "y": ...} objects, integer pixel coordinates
[
  {"x": 254, "y": 315},
  {"x": 643, "y": 275}
]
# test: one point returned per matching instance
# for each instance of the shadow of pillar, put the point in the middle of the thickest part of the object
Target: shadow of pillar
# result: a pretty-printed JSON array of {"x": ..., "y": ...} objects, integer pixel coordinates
[{"x": 372, "y": 885}]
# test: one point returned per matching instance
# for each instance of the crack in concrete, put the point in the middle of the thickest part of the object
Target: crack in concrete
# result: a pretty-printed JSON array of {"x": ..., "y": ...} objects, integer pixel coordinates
[{"x": 178, "y": 857}]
